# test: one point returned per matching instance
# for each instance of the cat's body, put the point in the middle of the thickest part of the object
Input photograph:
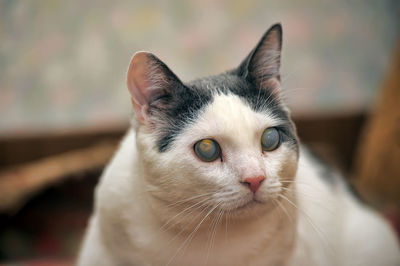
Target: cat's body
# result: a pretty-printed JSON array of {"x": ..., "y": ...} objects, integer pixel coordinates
[{"x": 166, "y": 198}]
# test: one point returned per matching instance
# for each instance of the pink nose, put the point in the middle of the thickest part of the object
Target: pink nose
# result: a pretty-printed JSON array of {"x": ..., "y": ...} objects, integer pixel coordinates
[{"x": 254, "y": 182}]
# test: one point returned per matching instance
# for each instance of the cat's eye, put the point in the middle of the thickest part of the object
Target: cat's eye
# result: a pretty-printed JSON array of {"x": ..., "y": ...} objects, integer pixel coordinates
[
  {"x": 270, "y": 139},
  {"x": 207, "y": 150}
]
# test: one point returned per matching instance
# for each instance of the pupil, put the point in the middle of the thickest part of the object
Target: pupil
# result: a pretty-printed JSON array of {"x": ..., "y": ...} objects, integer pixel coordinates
[{"x": 207, "y": 147}]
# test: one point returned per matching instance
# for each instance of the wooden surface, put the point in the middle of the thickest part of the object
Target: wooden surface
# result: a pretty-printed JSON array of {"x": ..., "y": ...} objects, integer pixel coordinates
[
  {"x": 18, "y": 149},
  {"x": 377, "y": 173},
  {"x": 19, "y": 184}
]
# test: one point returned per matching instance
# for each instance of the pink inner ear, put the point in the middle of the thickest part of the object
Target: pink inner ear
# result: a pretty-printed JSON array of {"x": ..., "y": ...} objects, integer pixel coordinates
[{"x": 139, "y": 84}]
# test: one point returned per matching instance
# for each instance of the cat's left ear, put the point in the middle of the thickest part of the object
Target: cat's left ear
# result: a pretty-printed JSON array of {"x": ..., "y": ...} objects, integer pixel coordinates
[{"x": 261, "y": 66}]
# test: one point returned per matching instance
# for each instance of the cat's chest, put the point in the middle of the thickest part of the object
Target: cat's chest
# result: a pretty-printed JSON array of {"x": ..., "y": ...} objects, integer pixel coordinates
[{"x": 225, "y": 244}]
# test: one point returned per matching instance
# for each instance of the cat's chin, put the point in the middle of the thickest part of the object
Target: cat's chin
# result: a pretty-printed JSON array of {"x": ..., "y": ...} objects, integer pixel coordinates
[
  {"x": 250, "y": 204},
  {"x": 250, "y": 208}
]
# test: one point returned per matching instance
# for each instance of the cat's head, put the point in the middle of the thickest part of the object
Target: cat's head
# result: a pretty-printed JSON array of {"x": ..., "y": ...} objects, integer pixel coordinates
[{"x": 223, "y": 142}]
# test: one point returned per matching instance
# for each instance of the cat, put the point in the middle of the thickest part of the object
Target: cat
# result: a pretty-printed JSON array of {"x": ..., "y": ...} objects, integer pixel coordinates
[{"x": 212, "y": 173}]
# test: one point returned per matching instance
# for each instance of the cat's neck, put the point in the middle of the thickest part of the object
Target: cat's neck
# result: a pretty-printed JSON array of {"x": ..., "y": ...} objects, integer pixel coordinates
[{"x": 225, "y": 236}]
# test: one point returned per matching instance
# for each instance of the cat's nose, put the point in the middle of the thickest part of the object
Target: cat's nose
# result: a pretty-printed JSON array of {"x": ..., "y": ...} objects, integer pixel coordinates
[{"x": 253, "y": 182}]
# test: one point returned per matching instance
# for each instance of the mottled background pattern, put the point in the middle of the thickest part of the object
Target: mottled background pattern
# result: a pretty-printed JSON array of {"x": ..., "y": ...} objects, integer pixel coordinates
[{"x": 63, "y": 63}]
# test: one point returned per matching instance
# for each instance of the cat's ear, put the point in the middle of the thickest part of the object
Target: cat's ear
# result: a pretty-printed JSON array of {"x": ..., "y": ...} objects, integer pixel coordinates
[
  {"x": 150, "y": 83},
  {"x": 261, "y": 66}
]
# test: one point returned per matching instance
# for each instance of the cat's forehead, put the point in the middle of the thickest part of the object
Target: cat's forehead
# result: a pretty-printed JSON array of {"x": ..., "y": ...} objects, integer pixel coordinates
[
  {"x": 231, "y": 113},
  {"x": 230, "y": 117}
]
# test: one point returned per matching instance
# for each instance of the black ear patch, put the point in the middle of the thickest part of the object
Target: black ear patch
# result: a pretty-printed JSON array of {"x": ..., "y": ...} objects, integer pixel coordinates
[{"x": 181, "y": 111}]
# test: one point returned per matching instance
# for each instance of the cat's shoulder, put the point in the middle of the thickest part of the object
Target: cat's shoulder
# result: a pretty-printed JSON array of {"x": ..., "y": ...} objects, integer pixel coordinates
[{"x": 310, "y": 164}]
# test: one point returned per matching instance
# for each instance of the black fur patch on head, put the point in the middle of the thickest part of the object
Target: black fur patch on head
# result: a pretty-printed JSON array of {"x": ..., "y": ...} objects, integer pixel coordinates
[
  {"x": 182, "y": 108},
  {"x": 186, "y": 105}
]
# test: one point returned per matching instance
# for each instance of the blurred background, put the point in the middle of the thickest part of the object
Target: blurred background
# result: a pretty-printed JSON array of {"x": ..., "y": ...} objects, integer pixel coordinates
[{"x": 64, "y": 103}]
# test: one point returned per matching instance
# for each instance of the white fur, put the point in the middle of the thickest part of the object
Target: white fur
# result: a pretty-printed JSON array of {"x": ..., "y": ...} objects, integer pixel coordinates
[{"x": 141, "y": 216}]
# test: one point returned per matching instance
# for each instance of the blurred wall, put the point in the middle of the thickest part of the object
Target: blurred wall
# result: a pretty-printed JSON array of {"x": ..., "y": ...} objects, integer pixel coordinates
[{"x": 63, "y": 63}]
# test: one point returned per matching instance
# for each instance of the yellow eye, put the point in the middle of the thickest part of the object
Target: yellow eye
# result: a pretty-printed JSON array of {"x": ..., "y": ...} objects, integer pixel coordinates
[
  {"x": 207, "y": 150},
  {"x": 270, "y": 139}
]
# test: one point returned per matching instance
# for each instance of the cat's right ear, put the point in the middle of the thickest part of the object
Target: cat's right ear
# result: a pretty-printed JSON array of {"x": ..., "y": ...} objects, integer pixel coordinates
[{"x": 150, "y": 83}]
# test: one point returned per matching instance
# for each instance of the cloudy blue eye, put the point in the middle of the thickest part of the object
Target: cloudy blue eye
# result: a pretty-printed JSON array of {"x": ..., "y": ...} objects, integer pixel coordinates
[
  {"x": 270, "y": 139},
  {"x": 207, "y": 150}
]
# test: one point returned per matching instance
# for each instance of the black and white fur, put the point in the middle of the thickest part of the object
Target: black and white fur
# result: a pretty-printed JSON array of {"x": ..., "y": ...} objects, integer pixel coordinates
[{"x": 158, "y": 204}]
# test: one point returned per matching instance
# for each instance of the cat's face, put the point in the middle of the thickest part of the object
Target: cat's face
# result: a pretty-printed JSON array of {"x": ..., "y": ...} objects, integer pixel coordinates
[{"x": 221, "y": 143}]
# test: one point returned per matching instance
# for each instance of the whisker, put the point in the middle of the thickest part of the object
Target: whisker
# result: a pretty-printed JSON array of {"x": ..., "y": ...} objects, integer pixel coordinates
[
  {"x": 204, "y": 206},
  {"x": 302, "y": 184},
  {"x": 214, "y": 227},
  {"x": 277, "y": 207},
  {"x": 226, "y": 224},
  {"x": 311, "y": 198},
  {"x": 297, "y": 191},
  {"x": 284, "y": 210},
  {"x": 189, "y": 238},
  {"x": 297, "y": 183},
  {"x": 189, "y": 199},
  {"x": 316, "y": 229},
  {"x": 163, "y": 227},
  {"x": 291, "y": 181}
]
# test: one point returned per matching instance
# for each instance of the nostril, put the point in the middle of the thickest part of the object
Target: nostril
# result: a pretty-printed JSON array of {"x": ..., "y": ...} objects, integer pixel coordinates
[{"x": 253, "y": 182}]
